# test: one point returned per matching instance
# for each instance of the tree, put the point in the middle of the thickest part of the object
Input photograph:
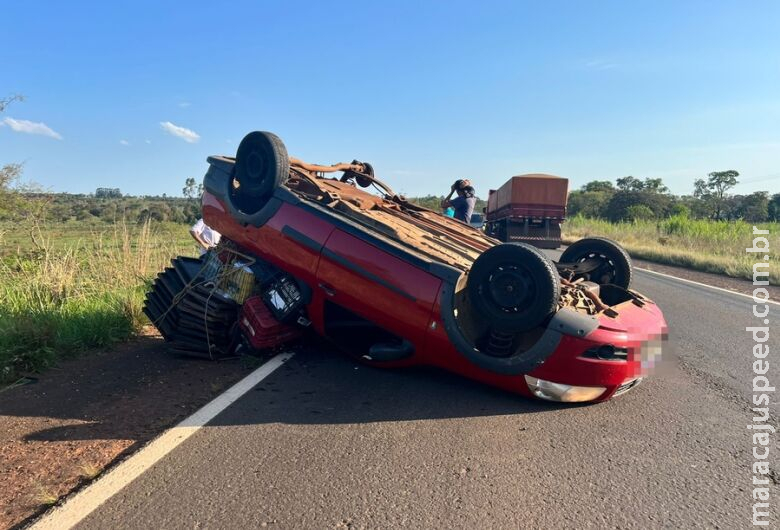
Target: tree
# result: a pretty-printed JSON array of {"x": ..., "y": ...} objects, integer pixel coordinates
[
  {"x": 629, "y": 183},
  {"x": 190, "y": 189},
  {"x": 9, "y": 174},
  {"x": 4, "y": 102},
  {"x": 618, "y": 207},
  {"x": 773, "y": 208},
  {"x": 10, "y": 202},
  {"x": 108, "y": 193},
  {"x": 591, "y": 204},
  {"x": 654, "y": 186},
  {"x": 713, "y": 190},
  {"x": 432, "y": 202},
  {"x": 754, "y": 207},
  {"x": 599, "y": 185}
]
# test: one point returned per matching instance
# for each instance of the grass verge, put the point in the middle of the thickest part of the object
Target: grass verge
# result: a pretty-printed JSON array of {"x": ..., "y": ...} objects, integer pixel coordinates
[
  {"x": 61, "y": 299},
  {"x": 703, "y": 245}
]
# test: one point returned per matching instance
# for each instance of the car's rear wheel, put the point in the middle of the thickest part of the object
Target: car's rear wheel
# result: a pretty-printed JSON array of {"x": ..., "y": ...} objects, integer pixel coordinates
[
  {"x": 262, "y": 165},
  {"x": 364, "y": 179},
  {"x": 605, "y": 261},
  {"x": 514, "y": 287}
]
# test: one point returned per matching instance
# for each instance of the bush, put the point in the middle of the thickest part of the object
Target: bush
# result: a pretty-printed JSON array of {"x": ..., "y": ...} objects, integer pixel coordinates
[{"x": 639, "y": 212}]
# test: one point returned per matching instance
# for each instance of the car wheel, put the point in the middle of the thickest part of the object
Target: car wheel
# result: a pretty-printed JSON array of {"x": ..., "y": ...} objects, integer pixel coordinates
[
  {"x": 261, "y": 166},
  {"x": 360, "y": 178},
  {"x": 613, "y": 262},
  {"x": 514, "y": 287}
]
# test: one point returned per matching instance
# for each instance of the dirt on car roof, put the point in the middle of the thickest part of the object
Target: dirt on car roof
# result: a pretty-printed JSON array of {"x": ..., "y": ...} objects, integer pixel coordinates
[{"x": 419, "y": 229}]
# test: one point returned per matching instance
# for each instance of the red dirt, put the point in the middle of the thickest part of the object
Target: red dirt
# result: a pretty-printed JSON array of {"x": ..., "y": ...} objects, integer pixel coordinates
[{"x": 65, "y": 428}]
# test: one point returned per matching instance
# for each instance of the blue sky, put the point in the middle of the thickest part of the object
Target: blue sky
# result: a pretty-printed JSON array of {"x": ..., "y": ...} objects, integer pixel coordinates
[{"x": 426, "y": 91}]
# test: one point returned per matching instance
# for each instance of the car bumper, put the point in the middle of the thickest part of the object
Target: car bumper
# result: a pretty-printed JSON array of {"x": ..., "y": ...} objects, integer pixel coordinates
[{"x": 638, "y": 332}]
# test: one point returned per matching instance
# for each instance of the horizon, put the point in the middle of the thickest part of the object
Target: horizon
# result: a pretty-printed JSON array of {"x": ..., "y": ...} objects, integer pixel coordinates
[{"x": 137, "y": 97}]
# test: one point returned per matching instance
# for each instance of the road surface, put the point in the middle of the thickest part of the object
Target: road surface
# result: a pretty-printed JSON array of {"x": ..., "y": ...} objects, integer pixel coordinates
[{"x": 325, "y": 443}]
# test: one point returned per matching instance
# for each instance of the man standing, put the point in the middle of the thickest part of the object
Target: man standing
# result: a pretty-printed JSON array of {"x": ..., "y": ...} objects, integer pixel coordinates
[{"x": 465, "y": 201}]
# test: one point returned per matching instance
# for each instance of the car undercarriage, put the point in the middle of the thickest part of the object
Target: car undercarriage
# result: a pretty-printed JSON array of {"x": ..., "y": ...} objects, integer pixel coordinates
[{"x": 396, "y": 284}]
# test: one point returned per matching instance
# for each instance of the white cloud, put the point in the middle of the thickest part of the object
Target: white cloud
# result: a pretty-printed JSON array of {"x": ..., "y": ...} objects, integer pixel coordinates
[
  {"x": 185, "y": 134},
  {"x": 124, "y": 142},
  {"x": 31, "y": 127},
  {"x": 148, "y": 141},
  {"x": 184, "y": 104}
]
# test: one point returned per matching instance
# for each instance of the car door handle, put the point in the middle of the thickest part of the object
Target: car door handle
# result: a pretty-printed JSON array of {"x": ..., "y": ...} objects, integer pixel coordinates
[{"x": 330, "y": 291}]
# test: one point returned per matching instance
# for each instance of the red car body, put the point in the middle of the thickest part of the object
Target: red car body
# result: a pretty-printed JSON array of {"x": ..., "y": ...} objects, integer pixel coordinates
[{"x": 372, "y": 276}]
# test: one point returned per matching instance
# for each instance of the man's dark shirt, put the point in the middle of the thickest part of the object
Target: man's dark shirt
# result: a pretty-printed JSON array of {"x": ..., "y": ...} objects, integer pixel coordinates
[{"x": 464, "y": 207}]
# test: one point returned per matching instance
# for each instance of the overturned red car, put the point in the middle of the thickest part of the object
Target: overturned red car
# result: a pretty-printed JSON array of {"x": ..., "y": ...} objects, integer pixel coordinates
[{"x": 395, "y": 284}]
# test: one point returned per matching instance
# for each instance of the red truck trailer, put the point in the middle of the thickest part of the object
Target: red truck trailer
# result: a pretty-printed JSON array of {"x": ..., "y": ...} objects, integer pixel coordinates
[{"x": 528, "y": 208}]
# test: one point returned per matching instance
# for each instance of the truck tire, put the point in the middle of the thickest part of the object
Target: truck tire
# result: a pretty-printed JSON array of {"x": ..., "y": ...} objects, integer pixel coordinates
[
  {"x": 514, "y": 287},
  {"x": 262, "y": 165},
  {"x": 615, "y": 269}
]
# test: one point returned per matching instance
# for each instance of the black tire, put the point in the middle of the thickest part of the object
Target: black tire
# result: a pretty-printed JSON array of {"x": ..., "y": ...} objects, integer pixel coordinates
[
  {"x": 262, "y": 165},
  {"x": 616, "y": 268},
  {"x": 360, "y": 178},
  {"x": 514, "y": 287},
  {"x": 363, "y": 182}
]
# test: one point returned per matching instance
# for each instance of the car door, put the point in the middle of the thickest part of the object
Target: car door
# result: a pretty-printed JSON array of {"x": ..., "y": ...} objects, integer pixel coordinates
[{"x": 372, "y": 286}]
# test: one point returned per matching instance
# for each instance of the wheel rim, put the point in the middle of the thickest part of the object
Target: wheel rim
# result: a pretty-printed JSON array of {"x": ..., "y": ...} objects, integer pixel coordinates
[
  {"x": 255, "y": 171},
  {"x": 607, "y": 271},
  {"x": 509, "y": 288}
]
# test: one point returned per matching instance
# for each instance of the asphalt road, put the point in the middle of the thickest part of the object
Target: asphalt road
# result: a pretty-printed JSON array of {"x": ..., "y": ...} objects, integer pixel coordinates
[{"x": 325, "y": 443}]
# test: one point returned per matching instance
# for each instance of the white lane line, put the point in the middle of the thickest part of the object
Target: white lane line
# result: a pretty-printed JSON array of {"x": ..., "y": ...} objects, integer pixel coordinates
[
  {"x": 703, "y": 285},
  {"x": 87, "y": 500}
]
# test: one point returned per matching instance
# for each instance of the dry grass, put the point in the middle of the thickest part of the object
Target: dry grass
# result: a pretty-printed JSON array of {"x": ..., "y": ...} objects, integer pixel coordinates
[
  {"x": 709, "y": 246},
  {"x": 46, "y": 497},
  {"x": 89, "y": 471},
  {"x": 61, "y": 299}
]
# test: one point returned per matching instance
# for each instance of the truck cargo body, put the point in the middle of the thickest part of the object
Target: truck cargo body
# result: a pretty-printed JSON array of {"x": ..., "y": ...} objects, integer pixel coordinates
[{"x": 529, "y": 209}]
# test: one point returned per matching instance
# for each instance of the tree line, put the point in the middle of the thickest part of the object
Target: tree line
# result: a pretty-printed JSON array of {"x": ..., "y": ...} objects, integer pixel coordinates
[
  {"x": 63, "y": 207},
  {"x": 630, "y": 198},
  {"x": 627, "y": 199}
]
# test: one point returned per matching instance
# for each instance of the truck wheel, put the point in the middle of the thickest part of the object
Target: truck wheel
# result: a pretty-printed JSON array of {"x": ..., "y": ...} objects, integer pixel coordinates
[
  {"x": 613, "y": 262},
  {"x": 514, "y": 287},
  {"x": 261, "y": 166}
]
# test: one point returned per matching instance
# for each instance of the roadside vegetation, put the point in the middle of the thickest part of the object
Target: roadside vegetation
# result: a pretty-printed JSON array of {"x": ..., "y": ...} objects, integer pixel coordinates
[
  {"x": 708, "y": 230},
  {"x": 67, "y": 288},
  {"x": 699, "y": 244}
]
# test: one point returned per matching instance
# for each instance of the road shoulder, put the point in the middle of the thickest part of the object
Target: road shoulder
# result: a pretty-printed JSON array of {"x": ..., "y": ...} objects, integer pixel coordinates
[
  {"x": 736, "y": 285},
  {"x": 62, "y": 430}
]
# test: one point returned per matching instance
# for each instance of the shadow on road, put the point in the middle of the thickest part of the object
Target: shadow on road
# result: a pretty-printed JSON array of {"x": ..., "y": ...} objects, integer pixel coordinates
[
  {"x": 329, "y": 388},
  {"x": 134, "y": 394}
]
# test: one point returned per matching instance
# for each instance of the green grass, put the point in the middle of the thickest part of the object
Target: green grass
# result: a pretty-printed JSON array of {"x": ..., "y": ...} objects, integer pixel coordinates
[
  {"x": 704, "y": 245},
  {"x": 66, "y": 289}
]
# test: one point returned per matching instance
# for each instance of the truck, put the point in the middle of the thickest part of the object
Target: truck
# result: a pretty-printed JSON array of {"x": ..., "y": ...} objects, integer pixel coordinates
[{"x": 528, "y": 209}]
